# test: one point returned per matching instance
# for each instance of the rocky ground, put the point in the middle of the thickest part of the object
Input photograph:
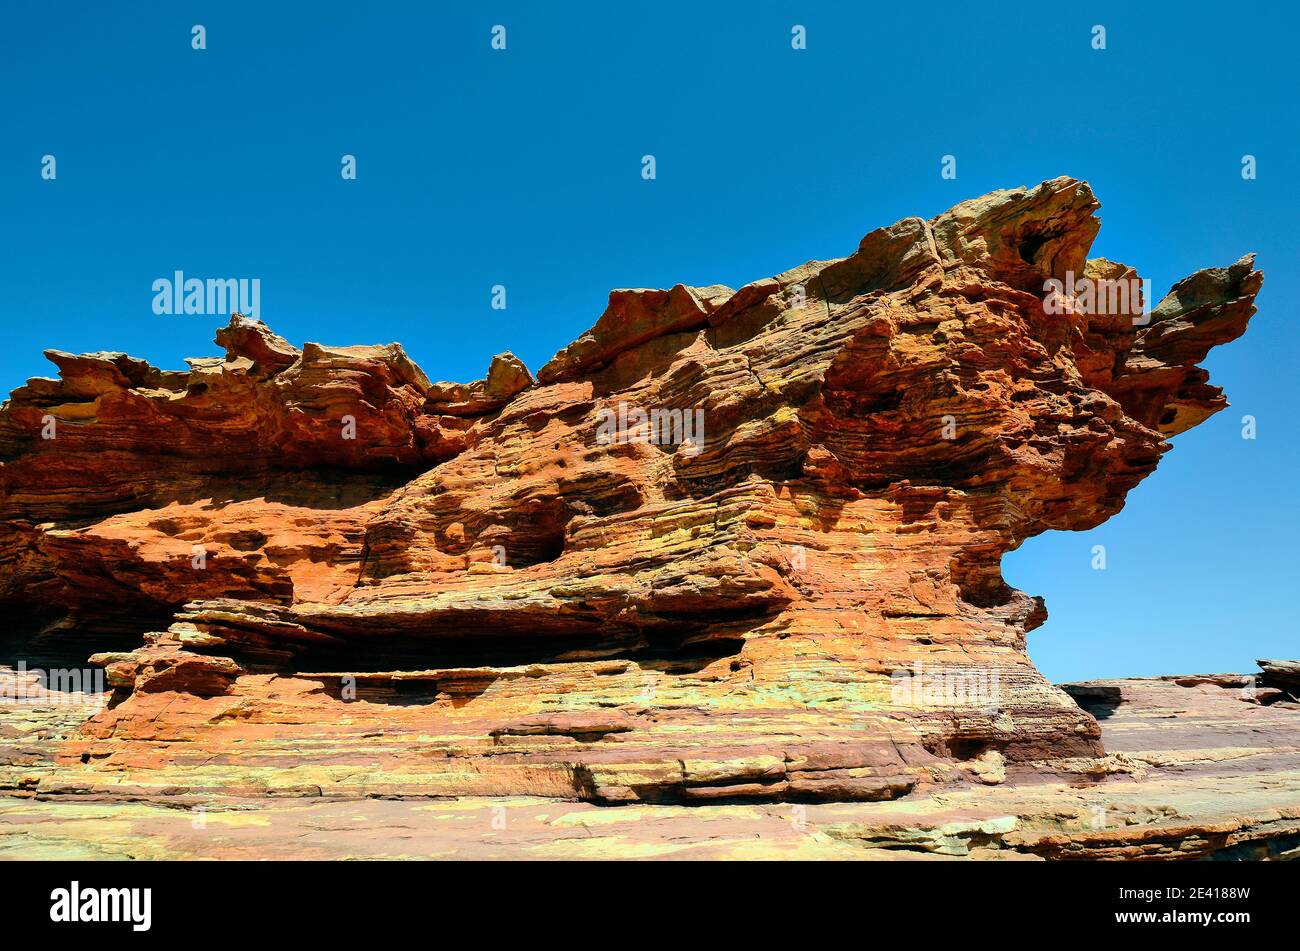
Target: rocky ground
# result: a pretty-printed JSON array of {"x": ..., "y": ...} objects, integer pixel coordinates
[{"x": 1198, "y": 768}]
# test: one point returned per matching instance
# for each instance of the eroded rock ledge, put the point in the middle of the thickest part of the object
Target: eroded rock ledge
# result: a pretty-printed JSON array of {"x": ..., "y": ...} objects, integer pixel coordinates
[{"x": 315, "y": 572}]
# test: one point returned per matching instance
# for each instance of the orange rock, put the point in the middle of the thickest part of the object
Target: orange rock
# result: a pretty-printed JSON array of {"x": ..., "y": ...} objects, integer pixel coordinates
[{"x": 727, "y": 545}]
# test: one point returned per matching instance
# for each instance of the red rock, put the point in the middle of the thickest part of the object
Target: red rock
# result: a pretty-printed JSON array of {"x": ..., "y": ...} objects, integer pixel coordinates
[{"x": 480, "y": 589}]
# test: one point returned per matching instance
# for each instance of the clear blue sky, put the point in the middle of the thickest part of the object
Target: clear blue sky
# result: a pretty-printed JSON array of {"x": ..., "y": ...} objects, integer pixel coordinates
[{"x": 523, "y": 167}]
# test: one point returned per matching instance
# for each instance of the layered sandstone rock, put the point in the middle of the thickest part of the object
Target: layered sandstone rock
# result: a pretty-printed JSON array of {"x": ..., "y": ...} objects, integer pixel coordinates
[
  {"x": 1197, "y": 769},
  {"x": 727, "y": 545}
]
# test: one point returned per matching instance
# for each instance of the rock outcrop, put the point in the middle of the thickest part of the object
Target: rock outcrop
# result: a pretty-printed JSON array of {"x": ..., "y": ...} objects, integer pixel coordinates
[
  {"x": 1196, "y": 769},
  {"x": 728, "y": 545}
]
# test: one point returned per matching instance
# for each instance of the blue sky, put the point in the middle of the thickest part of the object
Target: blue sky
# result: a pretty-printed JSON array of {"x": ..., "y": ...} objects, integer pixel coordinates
[{"x": 522, "y": 167}]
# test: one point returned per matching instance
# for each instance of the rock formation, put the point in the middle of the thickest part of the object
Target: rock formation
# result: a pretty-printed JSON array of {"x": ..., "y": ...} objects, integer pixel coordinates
[{"x": 727, "y": 545}]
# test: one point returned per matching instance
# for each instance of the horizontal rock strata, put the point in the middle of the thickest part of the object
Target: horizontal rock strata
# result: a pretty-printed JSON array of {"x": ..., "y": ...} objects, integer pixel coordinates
[
  {"x": 1198, "y": 771},
  {"x": 726, "y": 546}
]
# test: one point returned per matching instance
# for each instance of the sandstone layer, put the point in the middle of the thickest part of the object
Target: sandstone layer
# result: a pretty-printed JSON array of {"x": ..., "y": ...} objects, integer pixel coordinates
[
  {"x": 1200, "y": 770},
  {"x": 726, "y": 546}
]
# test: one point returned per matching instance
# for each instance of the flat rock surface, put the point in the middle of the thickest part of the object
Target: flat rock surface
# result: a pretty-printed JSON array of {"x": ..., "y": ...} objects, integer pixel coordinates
[{"x": 1197, "y": 772}]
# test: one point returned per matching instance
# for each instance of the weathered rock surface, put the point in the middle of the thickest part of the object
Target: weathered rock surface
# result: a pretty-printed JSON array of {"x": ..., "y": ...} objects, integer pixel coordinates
[
  {"x": 1194, "y": 773},
  {"x": 727, "y": 545}
]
